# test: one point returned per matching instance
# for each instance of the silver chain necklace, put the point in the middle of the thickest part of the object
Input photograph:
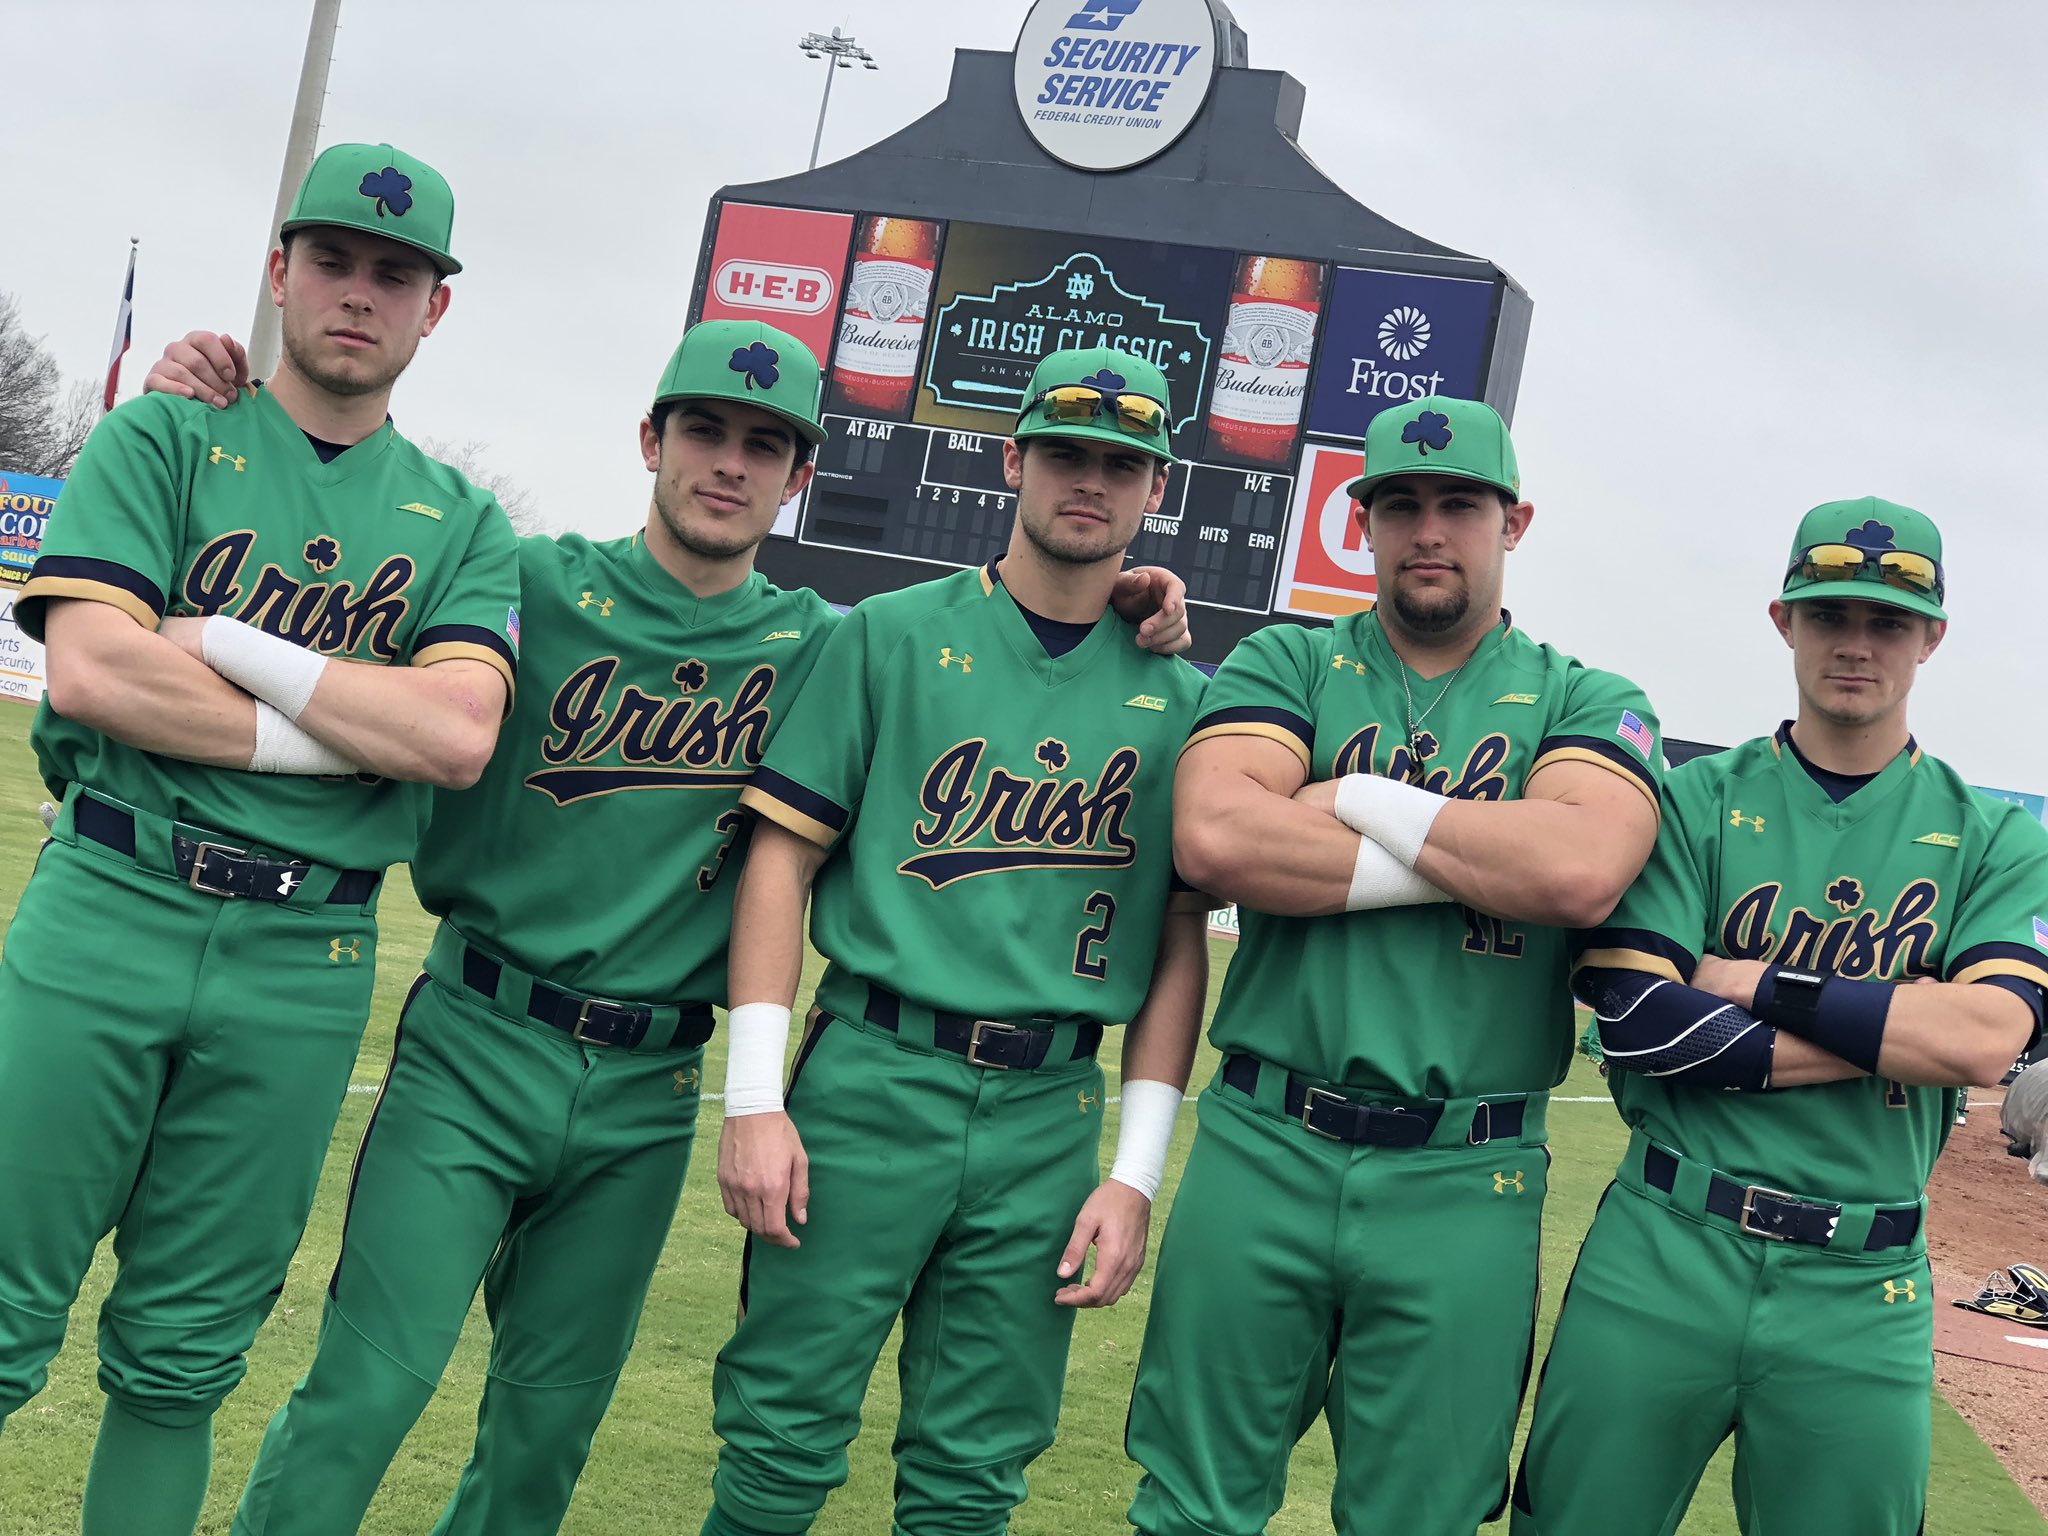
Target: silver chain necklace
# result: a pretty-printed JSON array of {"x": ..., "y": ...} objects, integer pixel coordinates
[{"x": 1415, "y": 757}]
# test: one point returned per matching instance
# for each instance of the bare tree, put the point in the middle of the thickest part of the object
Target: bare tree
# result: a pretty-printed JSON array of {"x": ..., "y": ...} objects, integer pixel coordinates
[
  {"x": 522, "y": 508},
  {"x": 42, "y": 425}
]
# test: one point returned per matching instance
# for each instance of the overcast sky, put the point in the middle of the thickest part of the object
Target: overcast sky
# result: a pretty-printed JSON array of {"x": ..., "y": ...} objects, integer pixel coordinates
[{"x": 1780, "y": 253}]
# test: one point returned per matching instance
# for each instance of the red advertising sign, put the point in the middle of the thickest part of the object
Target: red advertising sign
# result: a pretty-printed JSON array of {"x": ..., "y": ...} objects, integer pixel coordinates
[
  {"x": 781, "y": 265},
  {"x": 1328, "y": 570}
]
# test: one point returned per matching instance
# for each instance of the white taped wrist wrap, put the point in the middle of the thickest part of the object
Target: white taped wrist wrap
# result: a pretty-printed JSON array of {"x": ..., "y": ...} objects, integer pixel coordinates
[
  {"x": 1397, "y": 816},
  {"x": 275, "y": 670},
  {"x": 1146, "y": 1130},
  {"x": 283, "y": 747},
  {"x": 1379, "y": 879},
  {"x": 756, "y": 1040}
]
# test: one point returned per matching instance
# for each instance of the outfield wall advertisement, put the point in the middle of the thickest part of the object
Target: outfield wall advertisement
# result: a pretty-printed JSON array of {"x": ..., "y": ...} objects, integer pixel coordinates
[{"x": 25, "y": 504}]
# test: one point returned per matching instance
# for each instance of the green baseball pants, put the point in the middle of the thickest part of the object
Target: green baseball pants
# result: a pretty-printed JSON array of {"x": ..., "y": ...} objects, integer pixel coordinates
[
  {"x": 506, "y": 1154},
  {"x": 941, "y": 1191},
  {"x": 1391, "y": 1289},
  {"x": 1678, "y": 1330}
]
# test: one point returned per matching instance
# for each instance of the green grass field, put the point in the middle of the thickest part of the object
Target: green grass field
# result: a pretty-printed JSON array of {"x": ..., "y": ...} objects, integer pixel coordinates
[{"x": 650, "y": 1471}]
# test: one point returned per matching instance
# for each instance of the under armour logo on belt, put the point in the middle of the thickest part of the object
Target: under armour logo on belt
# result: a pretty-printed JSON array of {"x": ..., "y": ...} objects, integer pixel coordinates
[
  {"x": 686, "y": 1080},
  {"x": 344, "y": 949},
  {"x": 287, "y": 880},
  {"x": 1502, "y": 1182},
  {"x": 1900, "y": 1290},
  {"x": 947, "y": 659}
]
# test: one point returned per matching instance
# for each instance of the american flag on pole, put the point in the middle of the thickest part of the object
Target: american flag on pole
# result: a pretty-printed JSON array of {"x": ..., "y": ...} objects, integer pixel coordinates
[{"x": 124, "y": 332}]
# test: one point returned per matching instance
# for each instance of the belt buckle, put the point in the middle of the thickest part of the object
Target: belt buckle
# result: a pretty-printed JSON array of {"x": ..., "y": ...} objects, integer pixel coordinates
[
  {"x": 1482, "y": 1115},
  {"x": 982, "y": 1027},
  {"x": 199, "y": 869},
  {"x": 583, "y": 1019},
  {"x": 1749, "y": 1194},
  {"x": 1309, "y": 1099}
]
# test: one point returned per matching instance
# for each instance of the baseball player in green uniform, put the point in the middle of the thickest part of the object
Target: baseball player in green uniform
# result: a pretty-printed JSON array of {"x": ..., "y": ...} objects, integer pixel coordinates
[
  {"x": 269, "y": 630},
  {"x": 535, "y": 1124},
  {"x": 987, "y": 763},
  {"x": 1411, "y": 807},
  {"x": 1759, "y": 1265}
]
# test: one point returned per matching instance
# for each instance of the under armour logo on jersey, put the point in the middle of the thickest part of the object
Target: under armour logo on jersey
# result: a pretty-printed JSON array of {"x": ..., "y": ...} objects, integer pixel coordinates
[
  {"x": 287, "y": 881},
  {"x": 339, "y": 950},
  {"x": 1737, "y": 819},
  {"x": 686, "y": 1080},
  {"x": 1345, "y": 661},
  {"x": 948, "y": 659},
  {"x": 603, "y": 605},
  {"x": 1088, "y": 1100},
  {"x": 1899, "y": 1290},
  {"x": 1503, "y": 1183},
  {"x": 220, "y": 455}
]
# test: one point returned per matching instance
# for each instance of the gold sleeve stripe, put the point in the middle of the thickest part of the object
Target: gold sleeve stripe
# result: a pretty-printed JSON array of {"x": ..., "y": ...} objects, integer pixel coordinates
[
  {"x": 2002, "y": 967},
  {"x": 1285, "y": 737},
  {"x": 1581, "y": 755},
  {"x": 809, "y": 828},
  {"x": 92, "y": 591},
  {"x": 1629, "y": 960},
  {"x": 456, "y": 650}
]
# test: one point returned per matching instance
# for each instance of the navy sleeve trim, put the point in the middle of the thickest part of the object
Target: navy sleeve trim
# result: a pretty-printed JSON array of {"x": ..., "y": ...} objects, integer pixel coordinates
[
  {"x": 805, "y": 802},
  {"x": 1612, "y": 752},
  {"x": 477, "y": 635}
]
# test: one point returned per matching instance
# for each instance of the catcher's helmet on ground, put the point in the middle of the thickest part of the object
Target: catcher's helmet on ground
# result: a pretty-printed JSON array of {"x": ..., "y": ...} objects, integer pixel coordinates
[{"x": 2018, "y": 1293}]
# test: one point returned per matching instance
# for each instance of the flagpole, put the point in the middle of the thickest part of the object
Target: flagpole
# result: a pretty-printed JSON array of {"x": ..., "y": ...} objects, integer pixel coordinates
[
  {"x": 124, "y": 329},
  {"x": 264, "y": 333}
]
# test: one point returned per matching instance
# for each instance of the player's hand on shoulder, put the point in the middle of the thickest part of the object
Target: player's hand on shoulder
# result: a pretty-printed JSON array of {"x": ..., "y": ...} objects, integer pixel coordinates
[
  {"x": 764, "y": 1175},
  {"x": 1733, "y": 981},
  {"x": 1114, "y": 1222},
  {"x": 1156, "y": 600},
  {"x": 202, "y": 366}
]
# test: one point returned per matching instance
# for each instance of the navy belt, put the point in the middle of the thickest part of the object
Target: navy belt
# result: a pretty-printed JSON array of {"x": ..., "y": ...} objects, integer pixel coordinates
[
  {"x": 1407, "y": 1124},
  {"x": 220, "y": 868},
  {"x": 1788, "y": 1218},
  {"x": 984, "y": 1042},
  {"x": 591, "y": 1020}
]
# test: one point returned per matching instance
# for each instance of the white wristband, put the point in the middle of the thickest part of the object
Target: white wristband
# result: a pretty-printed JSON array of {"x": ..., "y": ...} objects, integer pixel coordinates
[
  {"x": 1397, "y": 816},
  {"x": 1379, "y": 879},
  {"x": 275, "y": 670},
  {"x": 284, "y": 747},
  {"x": 756, "y": 1039},
  {"x": 1149, "y": 1109}
]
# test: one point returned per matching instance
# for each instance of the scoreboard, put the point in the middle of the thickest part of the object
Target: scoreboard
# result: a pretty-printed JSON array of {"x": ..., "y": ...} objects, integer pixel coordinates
[{"x": 929, "y": 330}]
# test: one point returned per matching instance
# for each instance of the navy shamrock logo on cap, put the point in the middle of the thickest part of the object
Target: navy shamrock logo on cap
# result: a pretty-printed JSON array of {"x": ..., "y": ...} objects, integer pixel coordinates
[
  {"x": 1873, "y": 537},
  {"x": 392, "y": 190},
  {"x": 1109, "y": 383},
  {"x": 759, "y": 362},
  {"x": 1432, "y": 429}
]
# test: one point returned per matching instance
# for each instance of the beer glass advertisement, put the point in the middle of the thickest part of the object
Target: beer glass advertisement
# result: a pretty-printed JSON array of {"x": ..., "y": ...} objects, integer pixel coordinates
[
  {"x": 1006, "y": 297},
  {"x": 881, "y": 328}
]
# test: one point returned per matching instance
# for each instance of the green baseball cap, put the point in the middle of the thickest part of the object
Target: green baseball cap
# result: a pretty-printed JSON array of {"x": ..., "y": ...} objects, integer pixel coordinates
[
  {"x": 1110, "y": 373},
  {"x": 750, "y": 364},
  {"x": 383, "y": 191},
  {"x": 1897, "y": 545},
  {"x": 1439, "y": 435}
]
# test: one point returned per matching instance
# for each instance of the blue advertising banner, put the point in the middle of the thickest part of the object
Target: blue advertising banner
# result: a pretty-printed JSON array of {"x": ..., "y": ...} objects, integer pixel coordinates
[
  {"x": 25, "y": 503},
  {"x": 2035, "y": 804},
  {"x": 1391, "y": 337}
]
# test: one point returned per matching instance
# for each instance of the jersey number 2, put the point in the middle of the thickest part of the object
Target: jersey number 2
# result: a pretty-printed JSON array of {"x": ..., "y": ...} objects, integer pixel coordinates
[{"x": 1101, "y": 906}]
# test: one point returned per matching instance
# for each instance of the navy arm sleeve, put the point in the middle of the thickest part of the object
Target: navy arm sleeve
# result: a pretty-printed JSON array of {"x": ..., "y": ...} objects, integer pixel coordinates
[{"x": 1659, "y": 1028}]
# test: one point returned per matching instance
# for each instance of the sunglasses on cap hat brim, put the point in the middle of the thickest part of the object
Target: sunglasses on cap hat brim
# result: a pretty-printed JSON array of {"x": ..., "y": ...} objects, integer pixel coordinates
[
  {"x": 1076, "y": 405},
  {"x": 1898, "y": 568}
]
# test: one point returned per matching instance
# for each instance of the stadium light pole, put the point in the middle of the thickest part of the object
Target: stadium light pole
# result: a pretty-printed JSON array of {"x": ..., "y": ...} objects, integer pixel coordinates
[
  {"x": 839, "y": 52},
  {"x": 265, "y": 335}
]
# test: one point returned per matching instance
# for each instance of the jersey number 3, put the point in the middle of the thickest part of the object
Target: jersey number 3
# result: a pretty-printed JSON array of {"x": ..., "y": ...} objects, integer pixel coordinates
[{"x": 1102, "y": 907}]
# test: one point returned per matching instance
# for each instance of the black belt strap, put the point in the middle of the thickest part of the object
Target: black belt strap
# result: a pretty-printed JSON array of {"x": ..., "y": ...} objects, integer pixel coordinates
[
  {"x": 985, "y": 1042},
  {"x": 1380, "y": 1125},
  {"x": 1772, "y": 1213},
  {"x": 590, "y": 1020},
  {"x": 220, "y": 868}
]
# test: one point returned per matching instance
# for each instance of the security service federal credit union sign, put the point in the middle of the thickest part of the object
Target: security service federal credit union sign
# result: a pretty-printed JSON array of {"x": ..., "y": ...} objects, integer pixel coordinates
[{"x": 1104, "y": 85}]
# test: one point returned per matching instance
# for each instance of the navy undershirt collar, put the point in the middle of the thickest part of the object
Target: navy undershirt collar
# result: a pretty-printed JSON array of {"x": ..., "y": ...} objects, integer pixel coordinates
[
  {"x": 1837, "y": 786},
  {"x": 1056, "y": 635}
]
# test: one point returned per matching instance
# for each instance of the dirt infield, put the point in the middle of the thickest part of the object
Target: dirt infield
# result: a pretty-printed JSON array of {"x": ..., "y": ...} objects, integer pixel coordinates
[{"x": 1984, "y": 1213}]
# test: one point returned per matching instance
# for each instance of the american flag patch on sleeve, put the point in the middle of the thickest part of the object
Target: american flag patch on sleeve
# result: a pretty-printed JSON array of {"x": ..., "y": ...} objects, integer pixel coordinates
[
  {"x": 2041, "y": 932},
  {"x": 1635, "y": 733},
  {"x": 512, "y": 627}
]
